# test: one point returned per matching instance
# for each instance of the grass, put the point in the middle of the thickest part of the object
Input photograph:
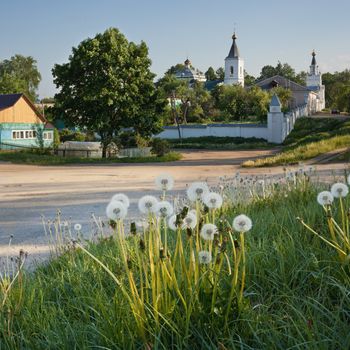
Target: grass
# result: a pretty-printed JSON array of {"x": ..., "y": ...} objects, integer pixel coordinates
[
  {"x": 296, "y": 294},
  {"x": 219, "y": 143},
  {"x": 309, "y": 138},
  {"x": 45, "y": 159}
]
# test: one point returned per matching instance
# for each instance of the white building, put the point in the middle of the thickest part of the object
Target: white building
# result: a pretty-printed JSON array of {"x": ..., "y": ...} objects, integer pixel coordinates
[
  {"x": 314, "y": 83},
  {"x": 189, "y": 73},
  {"x": 234, "y": 65}
]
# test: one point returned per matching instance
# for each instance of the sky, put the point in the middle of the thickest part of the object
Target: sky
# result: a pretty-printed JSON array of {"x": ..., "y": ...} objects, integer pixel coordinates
[{"x": 268, "y": 31}]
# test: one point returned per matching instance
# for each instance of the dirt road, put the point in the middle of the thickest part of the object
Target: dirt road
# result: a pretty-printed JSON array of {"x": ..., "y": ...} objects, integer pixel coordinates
[{"x": 27, "y": 192}]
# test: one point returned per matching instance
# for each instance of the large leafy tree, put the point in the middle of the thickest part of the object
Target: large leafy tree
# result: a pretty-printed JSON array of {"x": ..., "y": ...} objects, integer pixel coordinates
[
  {"x": 337, "y": 90},
  {"x": 107, "y": 85},
  {"x": 284, "y": 70},
  {"x": 20, "y": 74},
  {"x": 210, "y": 74}
]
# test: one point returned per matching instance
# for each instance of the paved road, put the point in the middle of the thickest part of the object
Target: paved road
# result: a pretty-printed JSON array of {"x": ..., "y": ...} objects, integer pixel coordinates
[{"x": 27, "y": 192}]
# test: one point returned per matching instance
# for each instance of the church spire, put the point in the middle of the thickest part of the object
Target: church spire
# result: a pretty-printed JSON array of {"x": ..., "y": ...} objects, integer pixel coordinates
[
  {"x": 313, "y": 61},
  {"x": 234, "y": 53},
  {"x": 313, "y": 67}
]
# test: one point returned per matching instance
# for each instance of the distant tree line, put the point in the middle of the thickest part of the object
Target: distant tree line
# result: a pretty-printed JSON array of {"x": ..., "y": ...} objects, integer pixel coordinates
[{"x": 107, "y": 86}]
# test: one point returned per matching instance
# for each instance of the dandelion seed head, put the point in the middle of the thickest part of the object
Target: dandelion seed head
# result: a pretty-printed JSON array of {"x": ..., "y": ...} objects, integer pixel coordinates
[
  {"x": 339, "y": 190},
  {"x": 325, "y": 198},
  {"x": 77, "y": 227},
  {"x": 164, "y": 182},
  {"x": 121, "y": 197},
  {"x": 172, "y": 223},
  {"x": 116, "y": 210},
  {"x": 197, "y": 190},
  {"x": 242, "y": 223},
  {"x": 204, "y": 257},
  {"x": 213, "y": 200},
  {"x": 190, "y": 221},
  {"x": 208, "y": 231},
  {"x": 147, "y": 204},
  {"x": 164, "y": 209}
]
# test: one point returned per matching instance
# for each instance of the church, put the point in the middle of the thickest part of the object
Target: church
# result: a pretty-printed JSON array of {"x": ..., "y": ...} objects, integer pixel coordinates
[{"x": 312, "y": 95}]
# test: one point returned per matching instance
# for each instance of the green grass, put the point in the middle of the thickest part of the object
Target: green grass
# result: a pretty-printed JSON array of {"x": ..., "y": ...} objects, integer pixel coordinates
[
  {"x": 45, "y": 159},
  {"x": 219, "y": 143},
  {"x": 309, "y": 138},
  {"x": 296, "y": 296}
]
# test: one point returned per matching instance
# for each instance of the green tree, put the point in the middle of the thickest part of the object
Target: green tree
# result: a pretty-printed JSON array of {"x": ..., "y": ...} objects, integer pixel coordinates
[
  {"x": 284, "y": 70},
  {"x": 220, "y": 73},
  {"x": 210, "y": 74},
  {"x": 107, "y": 85},
  {"x": 337, "y": 88},
  {"x": 249, "y": 79},
  {"x": 20, "y": 74}
]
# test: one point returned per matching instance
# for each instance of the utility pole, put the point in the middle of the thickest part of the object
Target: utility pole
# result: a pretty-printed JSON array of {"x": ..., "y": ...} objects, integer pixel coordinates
[{"x": 175, "y": 114}]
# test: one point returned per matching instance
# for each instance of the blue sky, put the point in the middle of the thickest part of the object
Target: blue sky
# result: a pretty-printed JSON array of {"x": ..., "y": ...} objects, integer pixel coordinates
[{"x": 267, "y": 30}]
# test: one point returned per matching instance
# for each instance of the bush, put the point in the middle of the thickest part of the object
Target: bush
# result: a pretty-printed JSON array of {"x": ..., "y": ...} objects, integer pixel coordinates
[
  {"x": 130, "y": 139},
  {"x": 160, "y": 147},
  {"x": 69, "y": 135}
]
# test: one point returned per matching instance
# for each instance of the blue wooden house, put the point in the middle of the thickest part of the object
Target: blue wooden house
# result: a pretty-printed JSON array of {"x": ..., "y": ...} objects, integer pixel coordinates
[{"x": 22, "y": 125}]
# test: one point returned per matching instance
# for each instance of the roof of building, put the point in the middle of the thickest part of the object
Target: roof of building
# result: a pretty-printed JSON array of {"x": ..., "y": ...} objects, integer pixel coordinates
[
  {"x": 189, "y": 72},
  {"x": 278, "y": 80},
  {"x": 209, "y": 85},
  {"x": 275, "y": 101},
  {"x": 234, "y": 52},
  {"x": 9, "y": 100}
]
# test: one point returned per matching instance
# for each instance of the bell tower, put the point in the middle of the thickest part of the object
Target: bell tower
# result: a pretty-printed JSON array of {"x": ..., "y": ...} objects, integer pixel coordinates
[{"x": 234, "y": 65}]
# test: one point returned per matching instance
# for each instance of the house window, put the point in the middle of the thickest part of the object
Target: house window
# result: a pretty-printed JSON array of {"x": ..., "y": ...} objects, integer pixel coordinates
[
  {"x": 240, "y": 69},
  {"x": 24, "y": 134},
  {"x": 47, "y": 136},
  {"x": 231, "y": 70}
]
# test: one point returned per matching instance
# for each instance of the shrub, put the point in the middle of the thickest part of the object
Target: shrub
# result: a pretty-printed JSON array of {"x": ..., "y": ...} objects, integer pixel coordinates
[
  {"x": 160, "y": 147},
  {"x": 69, "y": 135}
]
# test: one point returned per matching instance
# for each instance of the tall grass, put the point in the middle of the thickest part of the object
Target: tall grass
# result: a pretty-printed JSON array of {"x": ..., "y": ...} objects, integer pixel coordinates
[{"x": 103, "y": 294}]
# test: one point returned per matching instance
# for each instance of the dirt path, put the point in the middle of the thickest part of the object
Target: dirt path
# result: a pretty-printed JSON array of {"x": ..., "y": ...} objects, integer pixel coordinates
[{"x": 27, "y": 192}]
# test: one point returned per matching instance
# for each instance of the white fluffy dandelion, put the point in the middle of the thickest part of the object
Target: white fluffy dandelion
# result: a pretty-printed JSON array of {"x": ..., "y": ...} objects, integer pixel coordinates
[
  {"x": 339, "y": 190},
  {"x": 197, "y": 190},
  {"x": 164, "y": 182},
  {"x": 193, "y": 211},
  {"x": 116, "y": 210},
  {"x": 325, "y": 198},
  {"x": 77, "y": 227},
  {"x": 208, "y": 231},
  {"x": 242, "y": 223},
  {"x": 212, "y": 200},
  {"x": 190, "y": 221},
  {"x": 147, "y": 204},
  {"x": 164, "y": 209},
  {"x": 204, "y": 257},
  {"x": 121, "y": 197},
  {"x": 172, "y": 223}
]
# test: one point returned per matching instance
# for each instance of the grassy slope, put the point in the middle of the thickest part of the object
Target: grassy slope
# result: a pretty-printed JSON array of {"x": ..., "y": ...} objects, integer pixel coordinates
[
  {"x": 297, "y": 292},
  {"x": 42, "y": 159},
  {"x": 219, "y": 143},
  {"x": 309, "y": 138}
]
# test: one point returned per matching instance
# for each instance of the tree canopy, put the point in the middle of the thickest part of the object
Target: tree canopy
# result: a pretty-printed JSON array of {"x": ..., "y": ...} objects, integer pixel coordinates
[
  {"x": 337, "y": 90},
  {"x": 284, "y": 70},
  {"x": 107, "y": 85},
  {"x": 20, "y": 74}
]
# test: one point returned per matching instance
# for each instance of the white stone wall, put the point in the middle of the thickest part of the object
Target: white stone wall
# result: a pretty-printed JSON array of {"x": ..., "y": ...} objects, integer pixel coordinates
[{"x": 218, "y": 130}]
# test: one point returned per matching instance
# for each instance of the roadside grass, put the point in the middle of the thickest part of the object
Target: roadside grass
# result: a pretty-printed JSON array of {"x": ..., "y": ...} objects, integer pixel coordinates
[
  {"x": 19, "y": 157},
  {"x": 310, "y": 138},
  {"x": 296, "y": 295},
  {"x": 220, "y": 143}
]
